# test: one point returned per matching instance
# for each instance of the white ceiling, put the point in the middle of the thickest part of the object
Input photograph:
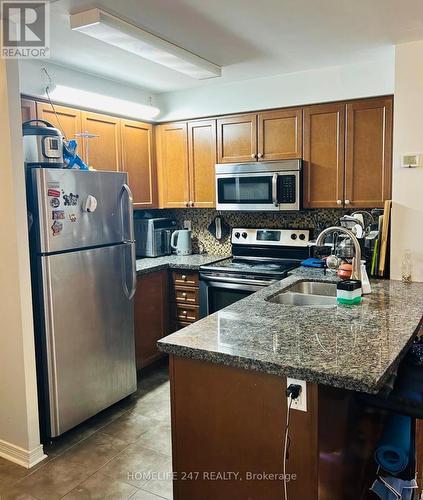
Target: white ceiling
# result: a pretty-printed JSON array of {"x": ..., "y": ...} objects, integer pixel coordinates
[{"x": 248, "y": 38}]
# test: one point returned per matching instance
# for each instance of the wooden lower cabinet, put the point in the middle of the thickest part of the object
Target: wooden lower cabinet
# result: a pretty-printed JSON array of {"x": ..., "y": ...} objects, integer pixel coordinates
[
  {"x": 184, "y": 298},
  {"x": 151, "y": 315},
  {"x": 227, "y": 419}
]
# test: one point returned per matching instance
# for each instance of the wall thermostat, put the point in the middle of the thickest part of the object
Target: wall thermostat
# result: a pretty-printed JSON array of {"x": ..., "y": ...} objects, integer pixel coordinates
[{"x": 412, "y": 160}]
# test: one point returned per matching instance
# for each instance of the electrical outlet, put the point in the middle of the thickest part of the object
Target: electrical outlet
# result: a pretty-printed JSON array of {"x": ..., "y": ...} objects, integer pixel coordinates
[
  {"x": 301, "y": 402},
  {"x": 187, "y": 224}
]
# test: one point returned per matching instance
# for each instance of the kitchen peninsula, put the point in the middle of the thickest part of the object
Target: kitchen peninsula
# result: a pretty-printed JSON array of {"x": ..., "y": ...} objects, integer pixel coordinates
[{"x": 238, "y": 359}]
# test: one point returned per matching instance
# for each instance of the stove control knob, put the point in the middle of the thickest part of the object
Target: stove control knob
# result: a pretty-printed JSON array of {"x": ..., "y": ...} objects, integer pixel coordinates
[
  {"x": 237, "y": 235},
  {"x": 293, "y": 236},
  {"x": 244, "y": 235},
  {"x": 302, "y": 236}
]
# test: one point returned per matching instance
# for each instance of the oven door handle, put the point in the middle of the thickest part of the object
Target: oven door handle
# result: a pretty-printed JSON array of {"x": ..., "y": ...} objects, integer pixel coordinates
[
  {"x": 275, "y": 189},
  {"x": 241, "y": 281}
]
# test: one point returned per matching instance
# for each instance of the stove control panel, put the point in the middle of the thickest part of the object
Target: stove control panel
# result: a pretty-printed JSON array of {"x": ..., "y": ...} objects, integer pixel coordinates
[{"x": 276, "y": 237}]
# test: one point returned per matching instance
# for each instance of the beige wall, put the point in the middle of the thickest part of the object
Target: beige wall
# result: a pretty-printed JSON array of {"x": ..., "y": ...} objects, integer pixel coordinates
[
  {"x": 18, "y": 393},
  {"x": 364, "y": 79},
  {"x": 407, "y": 213}
]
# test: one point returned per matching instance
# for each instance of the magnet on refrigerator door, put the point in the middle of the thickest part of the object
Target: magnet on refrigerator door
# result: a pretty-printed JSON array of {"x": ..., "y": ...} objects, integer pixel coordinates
[
  {"x": 57, "y": 227},
  {"x": 53, "y": 192},
  {"x": 58, "y": 214}
]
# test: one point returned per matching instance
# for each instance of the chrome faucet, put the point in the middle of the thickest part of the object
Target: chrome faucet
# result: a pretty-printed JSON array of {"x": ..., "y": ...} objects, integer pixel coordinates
[{"x": 356, "y": 262}]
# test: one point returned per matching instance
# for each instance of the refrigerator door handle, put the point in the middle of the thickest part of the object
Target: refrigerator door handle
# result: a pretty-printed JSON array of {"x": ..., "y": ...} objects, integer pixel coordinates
[
  {"x": 131, "y": 240},
  {"x": 133, "y": 272},
  {"x": 126, "y": 189}
]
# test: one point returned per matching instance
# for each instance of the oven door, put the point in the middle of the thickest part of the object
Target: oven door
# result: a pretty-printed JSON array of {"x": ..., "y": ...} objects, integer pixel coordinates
[
  {"x": 217, "y": 292},
  {"x": 271, "y": 191}
]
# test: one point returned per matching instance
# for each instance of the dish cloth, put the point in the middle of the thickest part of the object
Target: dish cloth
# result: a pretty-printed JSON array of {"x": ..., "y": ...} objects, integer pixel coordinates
[
  {"x": 392, "y": 488},
  {"x": 313, "y": 262}
]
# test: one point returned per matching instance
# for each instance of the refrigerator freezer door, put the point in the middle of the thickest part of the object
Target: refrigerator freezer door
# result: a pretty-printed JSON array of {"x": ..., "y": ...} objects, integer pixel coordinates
[
  {"x": 78, "y": 209},
  {"x": 88, "y": 333}
]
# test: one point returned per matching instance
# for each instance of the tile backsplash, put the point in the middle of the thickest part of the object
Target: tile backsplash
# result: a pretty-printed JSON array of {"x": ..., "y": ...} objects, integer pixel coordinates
[{"x": 203, "y": 241}]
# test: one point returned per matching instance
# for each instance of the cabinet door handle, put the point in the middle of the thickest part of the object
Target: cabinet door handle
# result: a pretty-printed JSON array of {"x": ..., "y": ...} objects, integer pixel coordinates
[
  {"x": 347, "y": 202},
  {"x": 260, "y": 155},
  {"x": 191, "y": 204},
  {"x": 184, "y": 295},
  {"x": 187, "y": 204},
  {"x": 253, "y": 155},
  {"x": 339, "y": 202},
  {"x": 183, "y": 277}
]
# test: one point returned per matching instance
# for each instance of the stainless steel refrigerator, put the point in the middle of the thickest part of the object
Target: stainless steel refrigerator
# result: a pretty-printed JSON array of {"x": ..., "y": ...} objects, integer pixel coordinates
[{"x": 83, "y": 279}]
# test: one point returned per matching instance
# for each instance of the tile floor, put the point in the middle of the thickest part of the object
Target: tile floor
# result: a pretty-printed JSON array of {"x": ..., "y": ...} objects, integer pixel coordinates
[{"x": 123, "y": 453}]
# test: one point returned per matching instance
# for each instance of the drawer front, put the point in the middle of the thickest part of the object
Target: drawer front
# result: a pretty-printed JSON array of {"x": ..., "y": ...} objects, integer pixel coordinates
[
  {"x": 187, "y": 313},
  {"x": 187, "y": 295},
  {"x": 187, "y": 278}
]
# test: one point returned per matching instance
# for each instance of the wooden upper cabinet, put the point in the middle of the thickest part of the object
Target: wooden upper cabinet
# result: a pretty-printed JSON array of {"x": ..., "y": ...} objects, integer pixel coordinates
[
  {"x": 324, "y": 140},
  {"x": 237, "y": 139},
  {"x": 202, "y": 160},
  {"x": 28, "y": 110},
  {"x": 138, "y": 161},
  {"x": 172, "y": 161},
  {"x": 68, "y": 120},
  {"x": 280, "y": 134},
  {"x": 368, "y": 169},
  {"x": 102, "y": 152}
]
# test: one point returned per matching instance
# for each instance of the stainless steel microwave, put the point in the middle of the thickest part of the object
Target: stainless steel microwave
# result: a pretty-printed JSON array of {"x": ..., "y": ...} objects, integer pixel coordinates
[{"x": 260, "y": 186}]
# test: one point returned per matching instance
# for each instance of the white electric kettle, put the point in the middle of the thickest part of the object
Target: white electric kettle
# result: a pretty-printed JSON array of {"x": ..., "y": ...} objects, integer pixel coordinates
[{"x": 181, "y": 242}]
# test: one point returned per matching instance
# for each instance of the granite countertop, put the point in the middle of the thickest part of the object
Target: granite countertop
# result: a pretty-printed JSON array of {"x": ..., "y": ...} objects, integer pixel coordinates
[
  {"x": 149, "y": 264},
  {"x": 351, "y": 347}
]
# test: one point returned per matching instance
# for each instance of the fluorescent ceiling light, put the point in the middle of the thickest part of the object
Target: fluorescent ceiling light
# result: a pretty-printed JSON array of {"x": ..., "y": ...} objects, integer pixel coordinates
[
  {"x": 114, "y": 31},
  {"x": 99, "y": 102}
]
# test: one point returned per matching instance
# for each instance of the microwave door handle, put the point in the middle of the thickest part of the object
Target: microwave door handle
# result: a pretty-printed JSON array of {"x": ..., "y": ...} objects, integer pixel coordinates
[{"x": 275, "y": 189}]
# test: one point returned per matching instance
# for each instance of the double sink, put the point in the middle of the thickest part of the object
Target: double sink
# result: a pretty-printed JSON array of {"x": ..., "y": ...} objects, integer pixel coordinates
[{"x": 307, "y": 293}]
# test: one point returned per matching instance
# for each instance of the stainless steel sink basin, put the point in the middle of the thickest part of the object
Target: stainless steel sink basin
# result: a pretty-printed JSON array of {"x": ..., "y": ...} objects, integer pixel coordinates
[
  {"x": 307, "y": 293},
  {"x": 313, "y": 288}
]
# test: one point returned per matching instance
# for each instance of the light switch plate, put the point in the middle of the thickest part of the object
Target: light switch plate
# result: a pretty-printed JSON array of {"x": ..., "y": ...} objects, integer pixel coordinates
[
  {"x": 301, "y": 402},
  {"x": 188, "y": 224}
]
